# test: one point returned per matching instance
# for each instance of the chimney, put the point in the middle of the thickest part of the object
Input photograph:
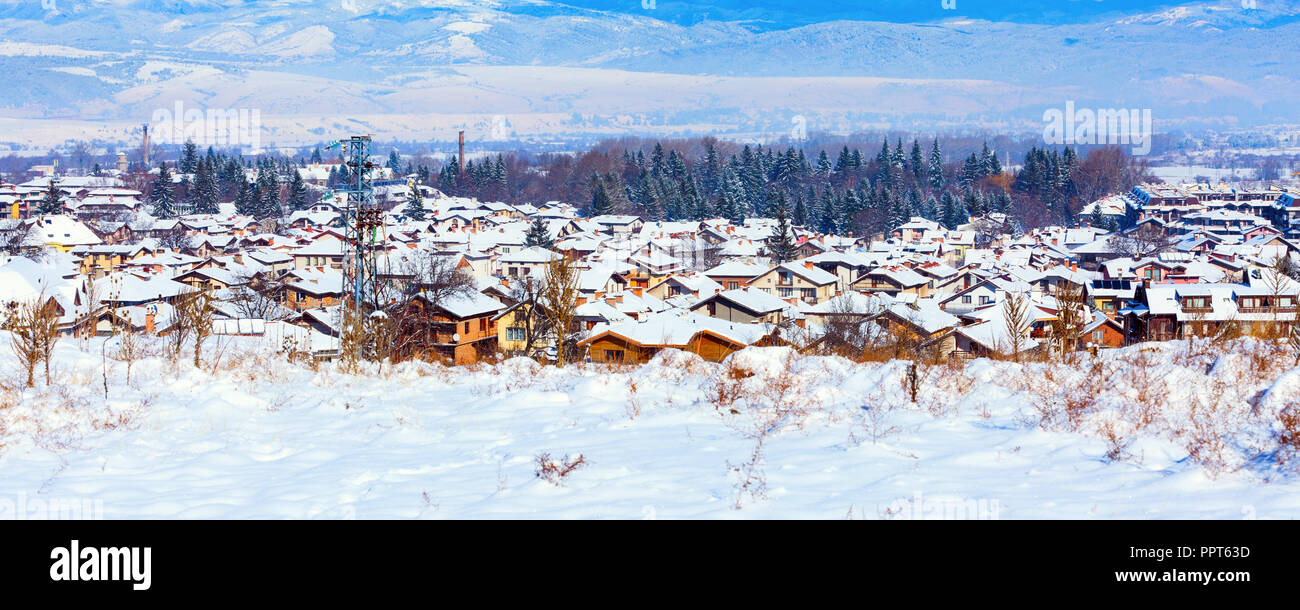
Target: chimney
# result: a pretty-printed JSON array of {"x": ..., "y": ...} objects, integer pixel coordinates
[
  {"x": 611, "y": 301},
  {"x": 808, "y": 264},
  {"x": 1074, "y": 265},
  {"x": 637, "y": 291},
  {"x": 146, "y": 146},
  {"x": 461, "y": 156},
  {"x": 149, "y": 322},
  {"x": 618, "y": 298}
]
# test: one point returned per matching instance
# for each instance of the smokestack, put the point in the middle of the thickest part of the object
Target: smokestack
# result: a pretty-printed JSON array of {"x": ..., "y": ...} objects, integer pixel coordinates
[
  {"x": 146, "y": 146},
  {"x": 461, "y": 157}
]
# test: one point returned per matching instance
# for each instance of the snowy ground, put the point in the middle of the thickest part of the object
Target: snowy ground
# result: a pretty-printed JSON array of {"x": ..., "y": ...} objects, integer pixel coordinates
[{"x": 263, "y": 438}]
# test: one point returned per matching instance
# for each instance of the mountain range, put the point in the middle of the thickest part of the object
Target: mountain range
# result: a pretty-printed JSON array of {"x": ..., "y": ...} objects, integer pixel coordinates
[{"x": 534, "y": 69}]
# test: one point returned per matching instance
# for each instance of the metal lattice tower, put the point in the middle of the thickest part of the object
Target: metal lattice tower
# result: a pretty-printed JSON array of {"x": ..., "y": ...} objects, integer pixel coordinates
[{"x": 363, "y": 224}]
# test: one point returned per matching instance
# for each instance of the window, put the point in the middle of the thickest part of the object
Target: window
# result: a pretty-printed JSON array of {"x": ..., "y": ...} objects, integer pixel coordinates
[
  {"x": 516, "y": 333},
  {"x": 785, "y": 278},
  {"x": 733, "y": 285},
  {"x": 965, "y": 299},
  {"x": 785, "y": 293},
  {"x": 613, "y": 355},
  {"x": 1098, "y": 335},
  {"x": 808, "y": 293},
  {"x": 466, "y": 328}
]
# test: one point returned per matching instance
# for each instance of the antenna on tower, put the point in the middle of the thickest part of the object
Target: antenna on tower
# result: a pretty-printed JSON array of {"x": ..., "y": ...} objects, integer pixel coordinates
[{"x": 363, "y": 224}]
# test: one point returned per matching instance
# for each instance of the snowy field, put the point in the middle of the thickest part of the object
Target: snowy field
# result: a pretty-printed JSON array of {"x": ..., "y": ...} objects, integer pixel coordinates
[{"x": 1153, "y": 431}]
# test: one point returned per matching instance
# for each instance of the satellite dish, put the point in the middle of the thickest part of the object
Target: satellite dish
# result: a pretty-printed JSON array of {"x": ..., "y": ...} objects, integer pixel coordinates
[{"x": 455, "y": 337}]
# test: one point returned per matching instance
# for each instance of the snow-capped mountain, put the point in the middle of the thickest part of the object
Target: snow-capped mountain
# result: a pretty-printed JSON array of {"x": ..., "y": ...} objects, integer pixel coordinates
[{"x": 558, "y": 69}]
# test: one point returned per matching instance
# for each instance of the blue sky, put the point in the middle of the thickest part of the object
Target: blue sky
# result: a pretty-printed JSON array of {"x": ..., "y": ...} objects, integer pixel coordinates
[{"x": 790, "y": 13}]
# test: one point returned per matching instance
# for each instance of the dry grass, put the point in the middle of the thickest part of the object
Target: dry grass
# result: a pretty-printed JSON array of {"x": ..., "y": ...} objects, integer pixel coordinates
[
  {"x": 941, "y": 386},
  {"x": 1286, "y": 433},
  {"x": 554, "y": 471}
]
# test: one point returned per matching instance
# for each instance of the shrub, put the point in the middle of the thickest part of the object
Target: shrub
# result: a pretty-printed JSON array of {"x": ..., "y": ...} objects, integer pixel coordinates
[{"x": 553, "y": 471}]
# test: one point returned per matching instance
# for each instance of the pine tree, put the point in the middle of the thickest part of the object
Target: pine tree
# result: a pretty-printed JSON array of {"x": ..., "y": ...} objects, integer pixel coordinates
[
  {"x": 1096, "y": 219},
  {"x": 780, "y": 244},
  {"x": 297, "y": 192},
  {"x": 830, "y": 215},
  {"x": 800, "y": 212},
  {"x": 844, "y": 162},
  {"x": 600, "y": 201},
  {"x": 245, "y": 200},
  {"x": 936, "y": 166},
  {"x": 823, "y": 164},
  {"x": 538, "y": 235},
  {"x": 917, "y": 161},
  {"x": 268, "y": 204},
  {"x": 189, "y": 158},
  {"x": 884, "y": 164},
  {"x": 951, "y": 214},
  {"x": 203, "y": 197},
  {"x": 394, "y": 162},
  {"x": 52, "y": 200},
  {"x": 414, "y": 209},
  {"x": 161, "y": 197}
]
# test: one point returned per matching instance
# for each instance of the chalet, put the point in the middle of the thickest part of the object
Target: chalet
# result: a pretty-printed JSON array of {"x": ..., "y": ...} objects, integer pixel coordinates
[
  {"x": 803, "y": 281},
  {"x": 100, "y": 260},
  {"x": 527, "y": 262},
  {"x": 311, "y": 287},
  {"x": 461, "y": 329},
  {"x": 744, "y": 306},
  {"x": 618, "y": 225},
  {"x": 892, "y": 280},
  {"x": 710, "y": 338},
  {"x": 324, "y": 251},
  {"x": 733, "y": 275},
  {"x": 695, "y": 284}
]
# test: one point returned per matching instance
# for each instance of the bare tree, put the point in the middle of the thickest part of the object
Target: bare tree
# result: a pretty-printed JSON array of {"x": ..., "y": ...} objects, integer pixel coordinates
[
  {"x": 34, "y": 329},
  {"x": 194, "y": 315},
  {"x": 16, "y": 239},
  {"x": 1072, "y": 304},
  {"x": 176, "y": 241},
  {"x": 1140, "y": 242},
  {"x": 560, "y": 303},
  {"x": 848, "y": 330},
  {"x": 1277, "y": 280},
  {"x": 530, "y": 316},
  {"x": 1015, "y": 312},
  {"x": 257, "y": 296},
  {"x": 429, "y": 277},
  {"x": 438, "y": 278}
]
